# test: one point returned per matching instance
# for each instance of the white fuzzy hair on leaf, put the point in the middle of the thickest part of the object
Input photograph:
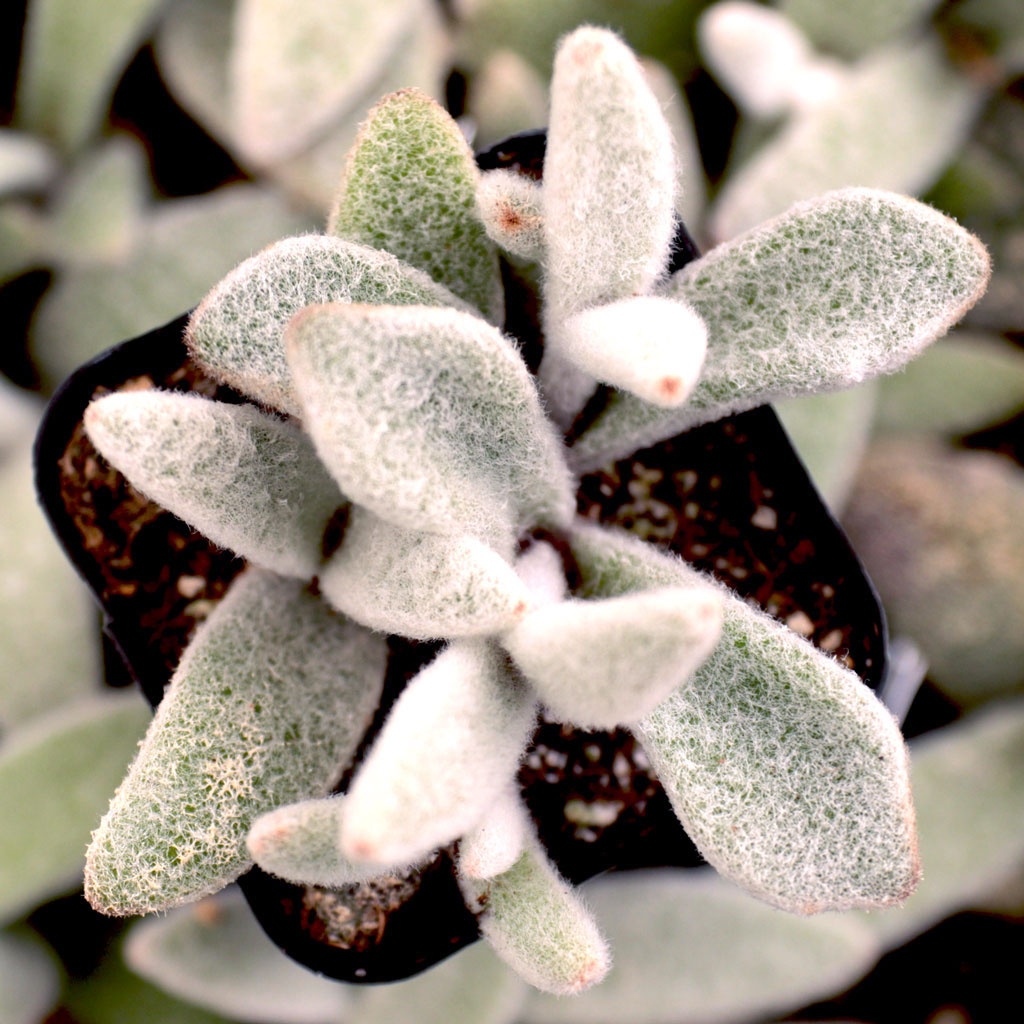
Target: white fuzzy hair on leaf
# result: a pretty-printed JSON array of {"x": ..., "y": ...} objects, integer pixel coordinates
[
  {"x": 511, "y": 209},
  {"x": 497, "y": 841}
]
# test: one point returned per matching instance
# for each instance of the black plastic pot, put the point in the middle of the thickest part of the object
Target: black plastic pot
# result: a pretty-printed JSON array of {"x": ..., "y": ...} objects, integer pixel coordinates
[{"x": 724, "y": 475}]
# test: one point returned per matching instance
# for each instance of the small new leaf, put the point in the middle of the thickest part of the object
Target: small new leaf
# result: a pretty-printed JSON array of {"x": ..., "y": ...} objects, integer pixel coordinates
[
  {"x": 510, "y": 207},
  {"x": 497, "y": 841},
  {"x": 250, "y": 482}
]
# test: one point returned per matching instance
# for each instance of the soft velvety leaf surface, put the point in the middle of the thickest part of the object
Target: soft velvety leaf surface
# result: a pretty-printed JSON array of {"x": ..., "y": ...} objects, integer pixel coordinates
[
  {"x": 296, "y": 63},
  {"x": 215, "y": 955},
  {"x": 56, "y": 777},
  {"x": 409, "y": 188},
  {"x": 690, "y": 949},
  {"x": 250, "y": 482},
  {"x": 450, "y": 746},
  {"x": 510, "y": 207},
  {"x": 837, "y": 290},
  {"x": 237, "y": 333},
  {"x": 428, "y": 417},
  {"x": 29, "y": 979},
  {"x": 180, "y": 252},
  {"x": 960, "y": 384},
  {"x": 74, "y": 51},
  {"x": 942, "y": 535},
  {"x": 270, "y": 666},
  {"x": 786, "y": 771}
]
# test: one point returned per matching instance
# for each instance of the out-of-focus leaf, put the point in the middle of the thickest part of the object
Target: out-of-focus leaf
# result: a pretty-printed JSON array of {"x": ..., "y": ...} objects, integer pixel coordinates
[
  {"x": 21, "y": 234},
  {"x": 690, "y": 949},
  {"x": 961, "y": 383},
  {"x": 74, "y": 51},
  {"x": 56, "y": 777},
  {"x": 898, "y": 121},
  {"x": 181, "y": 250},
  {"x": 113, "y": 995},
  {"x": 48, "y": 626},
  {"x": 505, "y": 97},
  {"x": 942, "y": 535},
  {"x": 968, "y": 784},
  {"x": 95, "y": 214},
  {"x": 26, "y": 164},
  {"x": 999, "y": 26},
  {"x": 19, "y": 414},
  {"x": 472, "y": 987},
  {"x": 29, "y": 979},
  {"x": 830, "y": 433},
  {"x": 851, "y": 29},
  {"x": 215, "y": 955}
]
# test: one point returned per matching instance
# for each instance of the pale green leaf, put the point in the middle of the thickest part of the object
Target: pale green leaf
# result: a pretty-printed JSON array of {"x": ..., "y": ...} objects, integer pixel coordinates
[
  {"x": 216, "y": 956},
  {"x": 182, "y": 249},
  {"x": 295, "y": 64},
  {"x": 472, "y": 987},
  {"x": 538, "y": 925},
  {"x": 237, "y": 333},
  {"x": 409, "y": 188},
  {"x": 968, "y": 784},
  {"x": 19, "y": 416},
  {"x": 851, "y": 29},
  {"x": 498, "y": 839},
  {"x": 425, "y": 586},
  {"x": 56, "y": 776},
  {"x": 428, "y": 417},
  {"x": 602, "y": 664},
  {"x": 942, "y": 535},
  {"x": 785, "y": 770},
  {"x": 49, "y": 638},
  {"x": 450, "y": 746},
  {"x": 266, "y": 707},
  {"x": 895, "y": 123},
  {"x": 29, "y": 979},
  {"x": 510, "y": 207},
  {"x": 506, "y": 96},
  {"x": 962, "y": 383},
  {"x": 26, "y": 163},
  {"x": 690, "y": 949},
  {"x": 250, "y": 482},
  {"x": 837, "y": 290},
  {"x": 96, "y": 212},
  {"x": 74, "y": 51},
  {"x": 830, "y": 433},
  {"x": 22, "y": 232}
]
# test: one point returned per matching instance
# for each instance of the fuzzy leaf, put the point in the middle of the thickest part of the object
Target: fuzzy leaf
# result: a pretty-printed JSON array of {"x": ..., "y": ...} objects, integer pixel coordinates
[
  {"x": 299, "y": 842},
  {"x": 26, "y": 164},
  {"x": 506, "y": 96},
  {"x": 853, "y": 29},
  {"x": 785, "y": 770},
  {"x": 270, "y": 667},
  {"x": 295, "y": 66},
  {"x": 428, "y": 417},
  {"x": 964, "y": 382},
  {"x": 763, "y": 60},
  {"x": 836, "y": 291},
  {"x": 830, "y": 433},
  {"x": 541, "y": 569},
  {"x": 896, "y": 122},
  {"x": 450, "y": 746},
  {"x": 498, "y": 840},
  {"x": 74, "y": 52},
  {"x": 55, "y": 779},
  {"x": 602, "y": 664},
  {"x": 409, "y": 188},
  {"x": 215, "y": 955},
  {"x": 652, "y": 347},
  {"x": 181, "y": 250},
  {"x": 538, "y": 925},
  {"x": 609, "y": 178},
  {"x": 421, "y": 585},
  {"x": 250, "y": 482},
  {"x": 942, "y": 535},
  {"x": 969, "y": 790},
  {"x": 39, "y": 593},
  {"x": 510, "y": 207},
  {"x": 471, "y": 987},
  {"x": 690, "y": 949},
  {"x": 29, "y": 979},
  {"x": 237, "y": 333}
]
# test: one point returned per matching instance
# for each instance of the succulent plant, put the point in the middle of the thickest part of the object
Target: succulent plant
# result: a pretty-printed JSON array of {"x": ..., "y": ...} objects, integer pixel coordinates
[{"x": 398, "y": 469}]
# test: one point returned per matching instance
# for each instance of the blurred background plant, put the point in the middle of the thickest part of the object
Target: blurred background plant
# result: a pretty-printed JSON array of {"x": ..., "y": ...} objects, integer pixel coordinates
[{"x": 151, "y": 145}]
